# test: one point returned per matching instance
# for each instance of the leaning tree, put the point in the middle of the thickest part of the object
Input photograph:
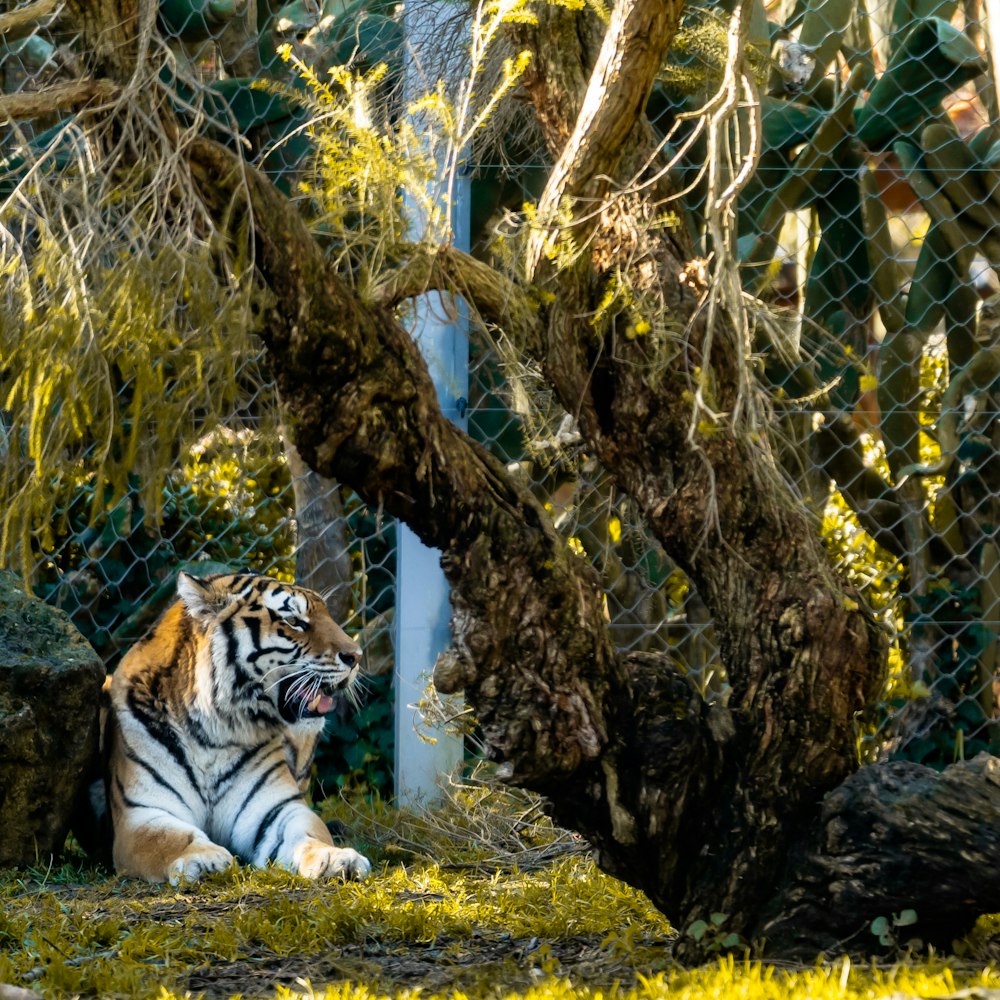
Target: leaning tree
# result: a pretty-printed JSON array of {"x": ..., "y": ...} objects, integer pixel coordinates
[{"x": 747, "y": 802}]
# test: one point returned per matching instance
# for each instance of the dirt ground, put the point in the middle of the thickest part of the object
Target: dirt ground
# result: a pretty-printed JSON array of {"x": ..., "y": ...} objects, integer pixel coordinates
[{"x": 434, "y": 967}]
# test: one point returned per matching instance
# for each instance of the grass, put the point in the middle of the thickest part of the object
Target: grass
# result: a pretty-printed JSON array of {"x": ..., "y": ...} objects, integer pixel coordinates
[{"x": 481, "y": 899}]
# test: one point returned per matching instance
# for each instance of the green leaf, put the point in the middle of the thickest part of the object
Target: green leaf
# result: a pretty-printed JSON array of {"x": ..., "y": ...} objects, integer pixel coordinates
[
  {"x": 880, "y": 925},
  {"x": 905, "y": 918},
  {"x": 697, "y": 930},
  {"x": 719, "y": 918}
]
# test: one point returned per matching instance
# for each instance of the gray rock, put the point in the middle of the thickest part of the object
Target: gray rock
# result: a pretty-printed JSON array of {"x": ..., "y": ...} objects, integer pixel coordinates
[{"x": 50, "y": 681}]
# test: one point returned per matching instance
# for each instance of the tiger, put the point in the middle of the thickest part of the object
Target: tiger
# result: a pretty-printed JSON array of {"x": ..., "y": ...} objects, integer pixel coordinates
[{"x": 213, "y": 722}]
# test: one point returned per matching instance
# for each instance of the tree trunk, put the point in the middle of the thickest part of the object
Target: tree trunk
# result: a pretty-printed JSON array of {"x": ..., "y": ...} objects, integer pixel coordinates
[
  {"x": 707, "y": 806},
  {"x": 322, "y": 553}
]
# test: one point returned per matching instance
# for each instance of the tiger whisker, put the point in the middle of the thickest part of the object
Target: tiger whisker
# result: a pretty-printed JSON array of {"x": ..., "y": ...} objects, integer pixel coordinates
[
  {"x": 270, "y": 687},
  {"x": 307, "y": 683},
  {"x": 303, "y": 684},
  {"x": 299, "y": 675},
  {"x": 275, "y": 669},
  {"x": 306, "y": 692},
  {"x": 351, "y": 694},
  {"x": 306, "y": 668}
]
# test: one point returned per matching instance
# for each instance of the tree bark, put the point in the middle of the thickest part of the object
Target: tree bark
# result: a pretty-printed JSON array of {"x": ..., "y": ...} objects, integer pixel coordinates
[
  {"x": 377, "y": 423},
  {"x": 800, "y": 653},
  {"x": 322, "y": 553},
  {"x": 894, "y": 837},
  {"x": 59, "y": 98},
  {"x": 112, "y": 33}
]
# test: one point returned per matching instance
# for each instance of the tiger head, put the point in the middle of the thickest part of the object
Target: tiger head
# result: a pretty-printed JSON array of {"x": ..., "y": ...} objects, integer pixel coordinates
[{"x": 275, "y": 650}]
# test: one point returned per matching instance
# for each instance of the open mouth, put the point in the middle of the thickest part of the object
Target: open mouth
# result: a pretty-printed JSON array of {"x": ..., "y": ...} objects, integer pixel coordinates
[{"x": 306, "y": 701}]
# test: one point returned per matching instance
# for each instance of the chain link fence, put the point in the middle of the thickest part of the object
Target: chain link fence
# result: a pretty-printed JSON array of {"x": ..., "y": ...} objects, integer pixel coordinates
[{"x": 868, "y": 233}]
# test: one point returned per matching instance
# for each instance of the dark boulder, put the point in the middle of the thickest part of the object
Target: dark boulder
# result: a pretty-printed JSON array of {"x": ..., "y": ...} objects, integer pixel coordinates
[{"x": 50, "y": 682}]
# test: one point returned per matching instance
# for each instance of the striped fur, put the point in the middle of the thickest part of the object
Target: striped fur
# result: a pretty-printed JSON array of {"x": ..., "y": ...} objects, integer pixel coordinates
[{"x": 215, "y": 716}]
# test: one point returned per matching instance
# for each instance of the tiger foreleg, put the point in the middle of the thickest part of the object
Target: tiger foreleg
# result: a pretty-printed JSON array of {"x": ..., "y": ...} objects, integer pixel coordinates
[
  {"x": 198, "y": 859},
  {"x": 315, "y": 859},
  {"x": 307, "y": 848},
  {"x": 167, "y": 849}
]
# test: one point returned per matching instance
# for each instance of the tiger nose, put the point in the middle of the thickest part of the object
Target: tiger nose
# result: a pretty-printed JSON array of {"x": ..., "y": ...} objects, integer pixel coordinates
[{"x": 348, "y": 659}]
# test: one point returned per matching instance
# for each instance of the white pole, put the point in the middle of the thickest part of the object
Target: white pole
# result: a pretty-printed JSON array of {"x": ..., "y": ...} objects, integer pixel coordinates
[
  {"x": 422, "y": 606},
  {"x": 992, "y": 10}
]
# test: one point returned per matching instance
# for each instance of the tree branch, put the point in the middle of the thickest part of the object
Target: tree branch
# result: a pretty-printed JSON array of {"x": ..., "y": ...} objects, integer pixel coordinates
[
  {"x": 14, "y": 21},
  {"x": 494, "y": 296},
  {"x": 671, "y": 416},
  {"x": 61, "y": 97},
  {"x": 23, "y": 21},
  {"x": 366, "y": 413},
  {"x": 635, "y": 43}
]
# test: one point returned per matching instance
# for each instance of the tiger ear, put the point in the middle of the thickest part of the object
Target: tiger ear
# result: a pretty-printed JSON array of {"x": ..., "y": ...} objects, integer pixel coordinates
[{"x": 200, "y": 597}]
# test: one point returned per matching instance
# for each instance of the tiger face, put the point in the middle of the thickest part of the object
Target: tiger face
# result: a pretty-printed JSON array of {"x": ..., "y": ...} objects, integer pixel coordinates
[{"x": 276, "y": 643}]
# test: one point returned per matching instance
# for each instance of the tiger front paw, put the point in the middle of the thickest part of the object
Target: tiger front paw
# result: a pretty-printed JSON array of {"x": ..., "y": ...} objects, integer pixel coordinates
[
  {"x": 198, "y": 860},
  {"x": 314, "y": 859}
]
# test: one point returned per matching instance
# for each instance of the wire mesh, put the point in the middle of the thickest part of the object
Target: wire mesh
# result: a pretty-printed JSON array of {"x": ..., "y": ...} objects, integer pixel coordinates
[{"x": 868, "y": 235}]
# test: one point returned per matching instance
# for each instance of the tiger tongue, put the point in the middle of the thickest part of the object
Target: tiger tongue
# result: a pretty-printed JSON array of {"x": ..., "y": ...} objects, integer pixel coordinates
[{"x": 321, "y": 704}]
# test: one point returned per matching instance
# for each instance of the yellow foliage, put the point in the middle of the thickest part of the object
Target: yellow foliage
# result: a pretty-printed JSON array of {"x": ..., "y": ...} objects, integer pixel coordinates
[
  {"x": 109, "y": 361},
  {"x": 614, "y": 530},
  {"x": 127, "y": 320},
  {"x": 698, "y": 55},
  {"x": 374, "y": 181}
]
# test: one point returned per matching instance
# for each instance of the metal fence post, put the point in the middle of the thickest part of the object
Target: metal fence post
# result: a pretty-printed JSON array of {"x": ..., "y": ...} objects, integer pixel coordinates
[{"x": 424, "y": 753}]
